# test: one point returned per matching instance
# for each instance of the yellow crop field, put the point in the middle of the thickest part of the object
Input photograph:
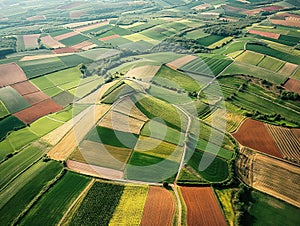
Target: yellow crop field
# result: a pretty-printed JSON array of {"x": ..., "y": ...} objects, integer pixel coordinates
[
  {"x": 131, "y": 206},
  {"x": 139, "y": 37}
]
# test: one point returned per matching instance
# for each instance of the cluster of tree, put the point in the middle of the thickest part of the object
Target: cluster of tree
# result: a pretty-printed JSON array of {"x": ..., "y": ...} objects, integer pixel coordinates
[
  {"x": 286, "y": 95},
  {"x": 7, "y": 45},
  {"x": 232, "y": 28},
  {"x": 180, "y": 44}
]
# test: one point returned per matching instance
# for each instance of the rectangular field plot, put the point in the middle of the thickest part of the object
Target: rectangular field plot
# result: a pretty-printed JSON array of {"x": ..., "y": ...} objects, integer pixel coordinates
[
  {"x": 98, "y": 205},
  {"x": 3, "y": 110},
  {"x": 25, "y": 88},
  {"x": 209, "y": 40},
  {"x": 44, "y": 125},
  {"x": 271, "y": 63},
  {"x": 98, "y": 154},
  {"x": 250, "y": 57},
  {"x": 12, "y": 100},
  {"x": 64, "y": 192},
  {"x": 111, "y": 137},
  {"x": 146, "y": 73},
  {"x": 11, "y": 73},
  {"x": 9, "y": 124},
  {"x": 178, "y": 63},
  {"x": 159, "y": 207},
  {"x": 202, "y": 206},
  {"x": 288, "y": 69},
  {"x": 157, "y": 130},
  {"x": 174, "y": 79},
  {"x": 131, "y": 206},
  {"x": 121, "y": 122},
  {"x": 31, "y": 41}
]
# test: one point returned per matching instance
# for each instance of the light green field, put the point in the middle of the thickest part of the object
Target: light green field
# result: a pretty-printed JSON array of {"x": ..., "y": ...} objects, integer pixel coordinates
[
  {"x": 21, "y": 137},
  {"x": 44, "y": 125},
  {"x": 250, "y": 57},
  {"x": 271, "y": 63},
  {"x": 3, "y": 110},
  {"x": 138, "y": 37},
  {"x": 65, "y": 76},
  {"x": 225, "y": 196},
  {"x": 220, "y": 43}
]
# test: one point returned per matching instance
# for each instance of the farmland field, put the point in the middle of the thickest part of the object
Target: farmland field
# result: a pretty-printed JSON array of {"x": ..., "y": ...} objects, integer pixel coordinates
[
  {"x": 250, "y": 57},
  {"x": 11, "y": 73}
]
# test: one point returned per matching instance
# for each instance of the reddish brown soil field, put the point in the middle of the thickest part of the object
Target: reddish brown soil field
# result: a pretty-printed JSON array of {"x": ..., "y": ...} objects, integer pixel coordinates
[
  {"x": 10, "y": 74},
  {"x": 265, "y": 34},
  {"x": 109, "y": 37},
  {"x": 31, "y": 40},
  {"x": 289, "y": 21},
  {"x": 37, "y": 111},
  {"x": 34, "y": 98},
  {"x": 52, "y": 43},
  {"x": 253, "y": 134},
  {"x": 82, "y": 45},
  {"x": 202, "y": 206},
  {"x": 65, "y": 50},
  {"x": 296, "y": 132},
  {"x": 159, "y": 208},
  {"x": 293, "y": 85},
  {"x": 25, "y": 88}
]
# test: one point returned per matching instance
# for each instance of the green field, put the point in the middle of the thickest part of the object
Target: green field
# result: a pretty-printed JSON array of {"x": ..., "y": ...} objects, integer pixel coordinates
[
  {"x": 250, "y": 57},
  {"x": 118, "y": 41},
  {"x": 3, "y": 110},
  {"x": 157, "y": 130},
  {"x": 271, "y": 63},
  {"x": 5, "y": 149},
  {"x": 12, "y": 100},
  {"x": 74, "y": 60},
  {"x": 137, "y": 46},
  {"x": 117, "y": 93},
  {"x": 99, "y": 53},
  {"x": 246, "y": 69},
  {"x": 35, "y": 68},
  {"x": 20, "y": 138},
  {"x": 9, "y": 124},
  {"x": 274, "y": 53},
  {"x": 196, "y": 34},
  {"x": 64, "y": 192},
  {"x": 44, "y": 125},
  {"x": 15, "y": 197},
  {"x": 65, "y": 76},
  {"x": 74, "y": 40},
  {"x": 217, "y": 171},
  {"x": 230, "y": 48},
  {"x": 20, "y": 162},
  {"x": 153, "y": 108},
  {"x": 209, "y": 40},
  {"x": 265, "y": 210},
  {"x": 98, "y": 205},
  {"x": 116, "y": 31},
  {"x": 173, "y": 79},
  {"x": 112, "y": 137}
]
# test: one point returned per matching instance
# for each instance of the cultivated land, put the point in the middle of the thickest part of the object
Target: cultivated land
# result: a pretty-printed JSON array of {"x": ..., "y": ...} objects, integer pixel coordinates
[{"x": 149, "y": 112}]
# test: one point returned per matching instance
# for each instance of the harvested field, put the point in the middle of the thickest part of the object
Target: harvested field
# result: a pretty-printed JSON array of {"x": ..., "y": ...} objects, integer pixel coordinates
[
  {"x": 67, "y": 35},
  {"x": 293, "y": 85},
  {"x": 44, "y": 56},
  {"x": 51, "y": 42},
  {"x": 71, "y": 140},
  {"x": 269, "y": 175},
  {"x": 286, "y": 141},
  {"x": 38, "y": 17},
  {"x": 288, "y": 69},
  {"x": 202, "y": 206},
  {"x": 25, "y": 87},
  {"x": 159, "y": 208},
  {"x": 118, "y": 121},
  {"x": 265, "y": 34},
  {"x": 181, "y": 62},
  {"x": 127, "y": 107},
  {"x": 254, "y": 134},
  {"x": 146, "y": 73},
  {"x": 37, "y": 111},
  {"x": 31, "y": 41},
  {"x": 89, "y": 47},
  {"x": 65, "y": 50},
  {"x": 92, "y": 26},
  {"x": 296, "y": 132},
  {"x": 109, "y": 37},
  {"x": 98, "y": 154},
  {"x": 10, "y": 74},
  {"x": 82, "y": 45},
  {"x": 202, "y": 6},
  {"x": 96, "y": 171},
  {"x": 34, "y": 98},
  {"x": 287, "y": 22}
]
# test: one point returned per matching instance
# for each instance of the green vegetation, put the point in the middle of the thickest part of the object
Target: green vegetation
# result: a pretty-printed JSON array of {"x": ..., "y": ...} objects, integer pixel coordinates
[
  {"x": 44, "y": 125},
  {"x": 20, "y": 138},
  {"x": 271, "y": 63},
  {"x": 172, "y": 79},
  {"x": 250, "y": 57},
  {"x": 12, "y": 100},
  {"x": 225, "y": 196},
  {"x": 64, "y": 192},
  {"x": 112, "y": 137},
  {"x": 3, "y": 110},
  {"x": 9, "y": 124},
  {"x": 74, "y": 40},
  {"x": 209, "y": 40},
  {"x": 98, "y": 205},
  {"x": 74, "y": 60},
  {"x": 15, "y": 197},
  {"x": 117, "y": 93}
]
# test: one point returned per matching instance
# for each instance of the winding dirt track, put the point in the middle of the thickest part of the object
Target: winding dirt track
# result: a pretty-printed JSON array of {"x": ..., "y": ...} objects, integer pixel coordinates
[
  {"x": 202, "y": 206},
  {"x": 159, "y": 208}
]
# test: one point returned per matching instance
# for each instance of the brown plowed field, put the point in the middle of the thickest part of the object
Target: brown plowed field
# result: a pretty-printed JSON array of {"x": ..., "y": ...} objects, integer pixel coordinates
[
  {"x": 287, "y": 22},
  {"x": 25, "y": 87},
  {"x": 92, "y": 26},
  {"x": 51, "y": 42},
  {"x": 202, "y": 6},
  {"x": 265, "y": 34},
  {"x": 293, "y": 85},
  {"x": 159, "y": 208},
  {"x": 181, "y": 62},
  {"x": 109, "y": 37},
  {"x": 31, "y": 41},
  {"x": 254, "y": 134},
  {"x": 272, "y": 8},
  {"x": 11, "y": 73},
  {"x": 202, "y": 206},
  {"x": 37, "y": 111},
  {"x": 82, "y": 45},
  {"x": 288, "y": 69},
  {"x": 296, "y": 132},
  {"x": 67, "y": 35},
  {"x": 65, "y": 50},
  {"x": 34, "y": 98}
]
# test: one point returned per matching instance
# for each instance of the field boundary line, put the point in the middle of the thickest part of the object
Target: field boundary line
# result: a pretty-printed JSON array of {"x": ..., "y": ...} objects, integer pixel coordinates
[{"x": 84, "y": 192}]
